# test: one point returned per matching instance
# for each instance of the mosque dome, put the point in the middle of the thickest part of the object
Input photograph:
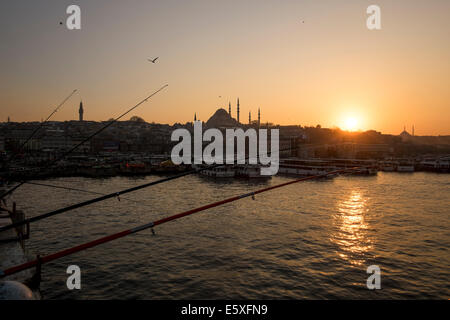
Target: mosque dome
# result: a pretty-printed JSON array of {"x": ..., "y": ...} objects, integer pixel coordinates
[{"x": 221, "y": 118}]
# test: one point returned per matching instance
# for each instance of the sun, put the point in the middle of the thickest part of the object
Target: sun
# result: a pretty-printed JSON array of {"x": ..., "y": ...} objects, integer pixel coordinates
[{"x": 350, "y": 124}]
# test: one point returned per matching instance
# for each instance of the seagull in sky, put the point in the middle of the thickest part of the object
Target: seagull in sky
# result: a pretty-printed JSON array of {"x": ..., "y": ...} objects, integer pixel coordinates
[{"x": 154, "y": 60}]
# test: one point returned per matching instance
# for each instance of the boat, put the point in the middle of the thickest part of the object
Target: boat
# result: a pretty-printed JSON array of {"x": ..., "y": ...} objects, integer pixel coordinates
[
  {"x": 405, "y": 166},
  {"x": 249, "y": 171},
  {"x": 219, "y": 172},
  {"x": 313, "y": 167},
  {"x": 134, "y": 168},
  {"x": 441, "y": 165},
  {"x": 168, "y": 166},
  {"x": 366, "y": 171},
  {"x": 387, "y": 166},
  {"x": 302, "y": 167}
]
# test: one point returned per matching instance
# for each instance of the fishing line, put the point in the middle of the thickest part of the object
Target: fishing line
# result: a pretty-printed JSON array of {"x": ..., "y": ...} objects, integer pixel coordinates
[
  {"x": 87, "y": 245},
  {"x": 40, "y": 126},
  {"x": 87, "y": 139},
  {"x": 84, "y": 191},
  {"x": 114, "y": 194}
]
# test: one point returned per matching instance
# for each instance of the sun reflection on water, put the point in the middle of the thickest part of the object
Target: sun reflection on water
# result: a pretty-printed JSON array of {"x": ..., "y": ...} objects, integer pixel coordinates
[{"x": 351, "y": 233}]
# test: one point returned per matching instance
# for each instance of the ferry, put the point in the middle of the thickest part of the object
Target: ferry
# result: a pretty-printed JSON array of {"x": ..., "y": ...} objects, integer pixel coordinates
[
  {"x": 302, "y": 167},
  {"x": 405, "y": 166},
  {"x": 370, "y": 165},
  {"x": 435, "y": 165},
  {"x": 312, "y": 167},
  {"x": 219, "y": 172},
  {"x": 368, "y": 171},
  {"x": 387, "y": 166},
  {"x": 249, "y": 171}
]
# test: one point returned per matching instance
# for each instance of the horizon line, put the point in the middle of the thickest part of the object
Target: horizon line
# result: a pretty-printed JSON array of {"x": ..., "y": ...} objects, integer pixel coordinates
[{"x": 243, "y": 124}]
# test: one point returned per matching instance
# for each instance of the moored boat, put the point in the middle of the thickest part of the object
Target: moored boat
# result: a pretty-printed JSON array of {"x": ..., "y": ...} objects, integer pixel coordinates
[
  {"x": 219, "y": 172},
  {"x": 250, "y": 172},
  {"x": 387, "y": 166},
  {"x": 405, "y": 166},
  {"x": 302, "y": 167}
]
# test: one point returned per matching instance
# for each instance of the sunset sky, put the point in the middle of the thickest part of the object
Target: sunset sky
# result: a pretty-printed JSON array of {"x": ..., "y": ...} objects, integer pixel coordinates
[{"x": 326, "y": 70}]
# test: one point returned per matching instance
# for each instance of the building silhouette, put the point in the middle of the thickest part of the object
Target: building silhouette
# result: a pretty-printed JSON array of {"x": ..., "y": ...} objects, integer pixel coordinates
[
  {"x": 259, "y": 117},
  {"x": 81, "y": 111},
  {"x": 238, "y": 110}
]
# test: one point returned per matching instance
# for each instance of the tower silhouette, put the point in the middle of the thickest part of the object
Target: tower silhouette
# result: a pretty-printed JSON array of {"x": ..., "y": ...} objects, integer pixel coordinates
[
  {"x": 249, "y": 117},
  {"x": 229, "y": 108},
  {"x": 238, "y": 110},
  {"x": 81, "y": 111},
  {"x": 259, "y": 117}
]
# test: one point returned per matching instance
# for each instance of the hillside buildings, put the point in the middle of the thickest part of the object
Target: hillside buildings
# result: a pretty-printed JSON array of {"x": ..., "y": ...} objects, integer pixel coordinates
[{"x": 152, "y": 138}]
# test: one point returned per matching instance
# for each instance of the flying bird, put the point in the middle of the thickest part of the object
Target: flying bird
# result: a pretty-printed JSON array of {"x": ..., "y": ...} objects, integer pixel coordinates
[{"x": 154, "y": 60}]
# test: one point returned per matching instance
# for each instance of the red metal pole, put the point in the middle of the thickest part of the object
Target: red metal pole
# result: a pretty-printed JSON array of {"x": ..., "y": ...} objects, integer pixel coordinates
[{"x": 124, "y": 233}]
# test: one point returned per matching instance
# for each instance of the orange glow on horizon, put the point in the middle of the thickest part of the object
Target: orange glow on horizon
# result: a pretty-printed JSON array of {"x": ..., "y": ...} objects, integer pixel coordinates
[
  {"x": 350, "y": 124},
  {"x": 330, "y": 70}
]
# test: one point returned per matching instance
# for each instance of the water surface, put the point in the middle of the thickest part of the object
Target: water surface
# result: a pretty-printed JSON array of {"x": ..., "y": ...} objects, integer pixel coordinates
[{"x": 312, "y": 240}]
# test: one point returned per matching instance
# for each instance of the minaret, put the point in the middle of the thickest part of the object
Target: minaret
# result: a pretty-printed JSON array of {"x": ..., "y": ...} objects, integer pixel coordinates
[
  {"x": 229, "y": 108},
  {"x": 238, "y": 110},
  {"x": 81, "y": 111},
  {"x": 9, "y": 120},
  {"x": 413, "y": 130},
  {"x": 259, "y": 117},
  {"x": 249, "y": 117},
  {"x": 195, "y": 116}
]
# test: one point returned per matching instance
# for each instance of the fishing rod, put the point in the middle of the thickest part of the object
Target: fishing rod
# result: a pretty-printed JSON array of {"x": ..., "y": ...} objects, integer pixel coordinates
[
  {"x": 87, "y": 245},
  {"x": 48, "y": 118},
  {"x": 112, "y": 195},
  {"x": 84, "y": 191},
  {"x": 87, "y": 139},
  {"x": 41, "y": 125}
]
